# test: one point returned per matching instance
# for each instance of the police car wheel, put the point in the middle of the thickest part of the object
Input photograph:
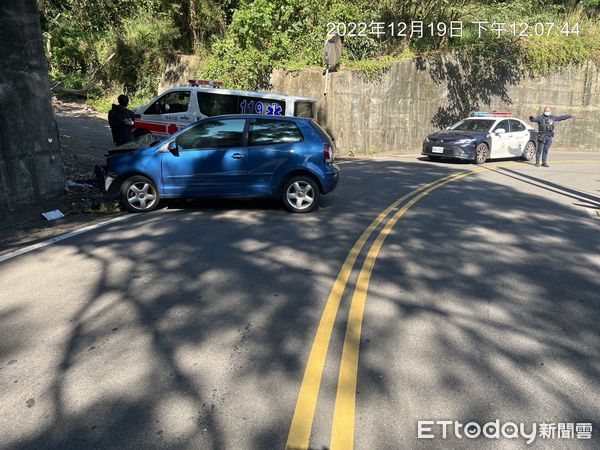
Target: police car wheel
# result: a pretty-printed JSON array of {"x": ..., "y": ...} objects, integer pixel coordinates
[
  {"x": 529, "y": 151},
  {"x": 481, "y": 153},
  {"x": 139, "y": 194}
]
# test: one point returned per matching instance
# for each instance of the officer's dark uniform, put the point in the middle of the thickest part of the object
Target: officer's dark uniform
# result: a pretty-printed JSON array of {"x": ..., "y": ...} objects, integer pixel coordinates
[
  {"x": 545, "y": 134},
  {"x": 118, "y": 118}
]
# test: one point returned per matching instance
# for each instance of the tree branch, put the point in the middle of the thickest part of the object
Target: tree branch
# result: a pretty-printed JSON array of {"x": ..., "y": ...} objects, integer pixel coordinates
[{"x": 82, "y": 92}]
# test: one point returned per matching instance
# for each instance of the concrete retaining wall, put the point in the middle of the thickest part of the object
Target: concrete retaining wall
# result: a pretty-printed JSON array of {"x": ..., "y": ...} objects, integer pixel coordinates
[
  {"x": 178, "y": 70},
  {"x": 31, "y": 168},
  {"x": 415, "y": 97}
]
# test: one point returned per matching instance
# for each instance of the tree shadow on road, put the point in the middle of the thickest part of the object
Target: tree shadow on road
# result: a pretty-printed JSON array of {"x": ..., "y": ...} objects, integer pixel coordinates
[
  {"x": 495, "y": 309},
  {"x": 197, "y": 326}
]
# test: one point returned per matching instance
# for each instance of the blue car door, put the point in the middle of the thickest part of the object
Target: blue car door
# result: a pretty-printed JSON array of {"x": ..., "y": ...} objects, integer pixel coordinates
[
  {"x": 272, "y": 150},
  {"x": 211, "y": 160}
]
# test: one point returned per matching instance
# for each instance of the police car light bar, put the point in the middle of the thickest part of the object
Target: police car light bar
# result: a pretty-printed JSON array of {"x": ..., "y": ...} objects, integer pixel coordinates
[
  {"x": 494, "y": 114},
  {"x": 212, "y": 83}
]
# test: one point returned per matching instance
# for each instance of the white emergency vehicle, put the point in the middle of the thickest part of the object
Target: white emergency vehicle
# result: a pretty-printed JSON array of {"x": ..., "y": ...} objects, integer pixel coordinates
[{"x": 178, "y": 107}]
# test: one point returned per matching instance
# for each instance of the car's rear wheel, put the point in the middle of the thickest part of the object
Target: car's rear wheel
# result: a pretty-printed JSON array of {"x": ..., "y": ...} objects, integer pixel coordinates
[
  {"x": 139, "y": 194},
  {"x": 482, "y": 153},
  {"x": 300, "y": 194},
  {"x": 529, "y": 151},
  {"x": 434, "y": 158}
]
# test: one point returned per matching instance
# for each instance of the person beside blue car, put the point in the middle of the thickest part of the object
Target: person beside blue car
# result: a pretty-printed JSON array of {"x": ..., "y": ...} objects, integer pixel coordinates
[{"x": 121, "y": 121}]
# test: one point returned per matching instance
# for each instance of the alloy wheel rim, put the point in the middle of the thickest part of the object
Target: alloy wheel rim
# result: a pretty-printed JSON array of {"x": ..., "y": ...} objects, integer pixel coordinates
[
  {"x": 141, "y": 195},
  {"x": 300, "y": 195},
  {"x": 529, "y": 151},
  {"x": 481, "y": 153}
]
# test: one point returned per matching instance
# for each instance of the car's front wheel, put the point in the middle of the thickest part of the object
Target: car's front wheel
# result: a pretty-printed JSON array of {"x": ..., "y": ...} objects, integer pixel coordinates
[
  {"x": 300, "y": 194},
  {"x": 481, "y": 153},
  {"x": 139, "y": 194},
  {"x": 529, "y": 151}
]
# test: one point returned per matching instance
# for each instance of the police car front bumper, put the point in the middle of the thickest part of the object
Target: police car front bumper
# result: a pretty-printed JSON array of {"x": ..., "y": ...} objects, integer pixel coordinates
[{"x": 449, "y": 150}]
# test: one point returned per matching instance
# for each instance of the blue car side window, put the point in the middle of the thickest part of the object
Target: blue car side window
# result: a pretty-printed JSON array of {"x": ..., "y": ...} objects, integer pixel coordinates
[
  {"x": 213, "y": 134},
  {"x": 266, "y": 132}
]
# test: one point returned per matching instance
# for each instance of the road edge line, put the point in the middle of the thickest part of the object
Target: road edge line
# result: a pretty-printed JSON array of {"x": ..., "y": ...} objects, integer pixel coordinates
[{"x": 62, "y": 237}]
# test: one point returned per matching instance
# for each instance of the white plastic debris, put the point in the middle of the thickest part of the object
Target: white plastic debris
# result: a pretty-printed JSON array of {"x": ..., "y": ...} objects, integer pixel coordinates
[{"x": 53, "y": 215}]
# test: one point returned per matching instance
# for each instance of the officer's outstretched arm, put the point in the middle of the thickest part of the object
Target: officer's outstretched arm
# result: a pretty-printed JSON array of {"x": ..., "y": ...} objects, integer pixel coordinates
[
  {"x": 533, "y": 117},
  {"x": 563, "y": 117}
]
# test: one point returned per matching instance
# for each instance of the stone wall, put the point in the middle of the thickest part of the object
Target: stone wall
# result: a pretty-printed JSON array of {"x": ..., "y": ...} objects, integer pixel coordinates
[
  {"x": 416, "y": 97},
  {"x": 178, "y": 70},
  {"x": 31, "y": 168}
]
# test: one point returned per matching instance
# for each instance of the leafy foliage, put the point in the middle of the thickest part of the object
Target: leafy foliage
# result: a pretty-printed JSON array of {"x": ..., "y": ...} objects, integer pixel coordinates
[{"x": 241, "y": 41}]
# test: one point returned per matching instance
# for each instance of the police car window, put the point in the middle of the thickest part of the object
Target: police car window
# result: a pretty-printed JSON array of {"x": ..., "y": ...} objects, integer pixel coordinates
[
  {"x": 479, "y": 125},
  {"x": 216, "y": 104},
  {"x": 173, "y": 102},
  {"x": 267, "y": 132},
  {"x": 502, "y": 124},
  {"x": 515, "y": 125},
  {"x": 213, "y": 134}
]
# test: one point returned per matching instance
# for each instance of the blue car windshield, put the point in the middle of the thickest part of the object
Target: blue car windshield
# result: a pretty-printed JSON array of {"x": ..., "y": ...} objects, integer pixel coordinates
[{"x": 480, "y": 125}]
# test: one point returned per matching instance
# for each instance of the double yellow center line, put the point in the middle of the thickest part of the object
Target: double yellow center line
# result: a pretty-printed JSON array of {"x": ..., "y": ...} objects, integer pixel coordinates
[
  {"x": 343, "y": 419},
  {"x": 343, "y": 424}
]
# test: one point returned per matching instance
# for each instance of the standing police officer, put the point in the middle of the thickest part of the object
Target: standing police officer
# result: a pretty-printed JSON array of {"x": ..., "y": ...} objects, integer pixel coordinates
[
  {"x": 545, "y": 123},
  {"x": 121, "y": 121}
]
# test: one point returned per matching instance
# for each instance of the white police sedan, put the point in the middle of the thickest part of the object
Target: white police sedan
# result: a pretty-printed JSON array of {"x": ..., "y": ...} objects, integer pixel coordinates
[{"x": 481, "y": 137}]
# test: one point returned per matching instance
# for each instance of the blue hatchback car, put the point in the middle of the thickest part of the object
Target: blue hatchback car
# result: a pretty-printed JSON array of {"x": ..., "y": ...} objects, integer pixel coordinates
[{"x": 234, "y": 156}]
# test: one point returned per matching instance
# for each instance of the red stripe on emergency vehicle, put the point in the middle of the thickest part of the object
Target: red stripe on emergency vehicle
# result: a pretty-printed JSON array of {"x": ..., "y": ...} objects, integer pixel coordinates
[{"x": 158, "y": 127}]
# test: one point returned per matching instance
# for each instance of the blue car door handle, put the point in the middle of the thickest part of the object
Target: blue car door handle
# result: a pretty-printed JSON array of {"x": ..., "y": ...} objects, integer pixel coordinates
[{"x": 237, "y": 156}]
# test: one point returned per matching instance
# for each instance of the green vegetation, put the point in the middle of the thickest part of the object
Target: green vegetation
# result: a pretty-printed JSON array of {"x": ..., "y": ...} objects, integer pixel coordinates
[{"x": 241, "y": 41}]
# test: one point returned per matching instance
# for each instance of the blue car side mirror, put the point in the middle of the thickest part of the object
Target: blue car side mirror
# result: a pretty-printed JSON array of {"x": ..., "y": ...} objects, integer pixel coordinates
[{"x": 173, "y": 148}]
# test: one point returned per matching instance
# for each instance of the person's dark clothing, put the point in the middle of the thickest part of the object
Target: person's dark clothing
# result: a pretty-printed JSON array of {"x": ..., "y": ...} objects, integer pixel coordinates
[
  {"x": 545, "y": 134},
  {"x": 120, "y": 120}
]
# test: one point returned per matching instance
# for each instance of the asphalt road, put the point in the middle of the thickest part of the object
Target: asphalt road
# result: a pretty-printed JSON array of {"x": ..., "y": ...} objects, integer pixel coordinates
[{"x": 419, "y": 291}]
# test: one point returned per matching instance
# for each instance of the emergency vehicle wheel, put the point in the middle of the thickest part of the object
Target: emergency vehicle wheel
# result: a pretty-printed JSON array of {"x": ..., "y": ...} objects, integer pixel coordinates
[
  {"x": 481, "y": 153},
  {"x": 138, "y": 194},
  {"x": 529, "y": 151}
]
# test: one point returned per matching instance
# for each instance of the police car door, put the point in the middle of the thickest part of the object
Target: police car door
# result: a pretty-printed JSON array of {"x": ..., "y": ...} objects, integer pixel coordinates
[
  {"x": 519, "y": 137},
  {"x": 500, "y": 135}
]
